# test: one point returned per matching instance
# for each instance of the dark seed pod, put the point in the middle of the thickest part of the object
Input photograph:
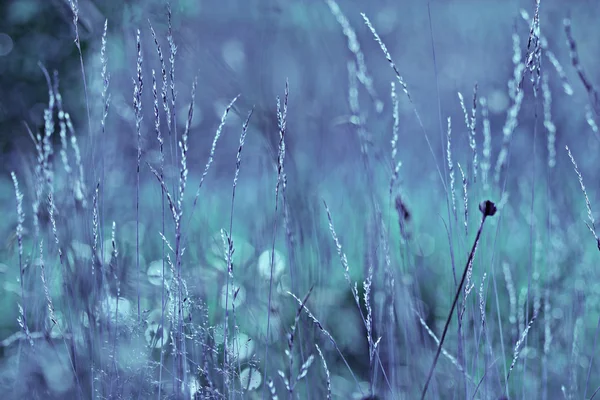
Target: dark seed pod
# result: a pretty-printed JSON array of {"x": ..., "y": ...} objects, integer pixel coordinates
[{"x": 487, "y": 208}]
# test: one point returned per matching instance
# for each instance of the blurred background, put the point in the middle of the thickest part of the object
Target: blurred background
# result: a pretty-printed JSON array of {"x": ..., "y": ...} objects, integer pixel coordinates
[{"x": 250, "y": 47}]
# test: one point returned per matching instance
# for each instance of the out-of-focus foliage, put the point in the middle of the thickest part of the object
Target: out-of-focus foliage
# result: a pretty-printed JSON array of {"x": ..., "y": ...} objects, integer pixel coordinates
[{"x": 535, "y": 264}]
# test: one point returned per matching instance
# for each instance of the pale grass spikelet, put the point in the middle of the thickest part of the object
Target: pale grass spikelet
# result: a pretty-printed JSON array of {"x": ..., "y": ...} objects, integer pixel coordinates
[
  {"x": 592, "y": 223},
  {"x": 469, "y": 285},
  {"x": 303, "y": 306},
  {"x": 46, "y": 140},
  {"x": 272, "y": 389},
  {"x": 75, "y": 10},
  {"x": 105, "y": 79},
  {"x": 163, "y": 70},
  {"x": 166, "y": 242},
  {"x": 387, "y": 54},
  {"x": 486, "y": 160},
  {"x": 304, "y": 367},
  {"x": 327, "y": 374},
  {"x": 451, "y": 166},
  {"x": 543, "y": 42},
  {"x": 482, "y": 300},
  {"x": 548, "y": 124},
  {"x": 472, "y": 134},
  {"x": 281, "y": 175},
  {"x": 228, "y": 251},
  {"x": 369, "y": 319},
  {"x": 470, "y": 122},
  {"x": 170, "y": 200},
  {"x": 159, "y": 136},
  {"x": 172, "y": 53},
  {"x": 396, "y": 117},
  {"x": 354, "y": 46},
  {"x": 183, "y": 147},
  {"x": 95, "y": 226},
  {"x": 238, "y": 157},
  {"x": 113, "y": 240},
  {"x": 51, "y": 208},
  {"x": 138, "y": 87},
  {"x": 517, "y": 348},
  {"x": 282, "y": 124},
  {"x": 461, "y": 100},
  {"x": 341, "y": 254},
  {"x": 23, "y": 325},
  {"x": 533, "y": 62},
  {"x": 214, "y": 147},
  {"x": 64, "y": 145},
  {"x": 465, "y": 198},
  {"x": 396, "y": 164},
  {"x": 20, "y": 218}
]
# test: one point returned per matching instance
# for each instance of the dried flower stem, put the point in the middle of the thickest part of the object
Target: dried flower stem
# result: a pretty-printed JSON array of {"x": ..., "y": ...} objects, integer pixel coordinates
[{"x": 488, "y": 209}]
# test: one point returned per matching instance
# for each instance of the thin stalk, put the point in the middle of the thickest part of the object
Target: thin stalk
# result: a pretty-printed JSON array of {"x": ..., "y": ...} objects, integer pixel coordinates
[{"x": 487, "y": 208}]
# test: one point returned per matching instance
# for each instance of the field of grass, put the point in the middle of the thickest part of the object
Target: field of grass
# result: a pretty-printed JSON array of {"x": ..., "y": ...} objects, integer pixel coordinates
[{"x": 320, "y": 203}]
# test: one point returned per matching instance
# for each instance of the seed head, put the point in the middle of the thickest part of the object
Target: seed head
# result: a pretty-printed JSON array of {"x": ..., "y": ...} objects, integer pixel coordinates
[{"x": 487, "y": 208}]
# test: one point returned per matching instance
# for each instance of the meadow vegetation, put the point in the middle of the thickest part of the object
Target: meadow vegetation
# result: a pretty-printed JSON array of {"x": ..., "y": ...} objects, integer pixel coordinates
[{"x": 178, "y": 254}]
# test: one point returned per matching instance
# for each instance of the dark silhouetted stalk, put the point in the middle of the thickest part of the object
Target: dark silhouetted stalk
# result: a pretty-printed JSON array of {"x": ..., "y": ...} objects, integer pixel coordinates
[{"x": 488, "y": 209}]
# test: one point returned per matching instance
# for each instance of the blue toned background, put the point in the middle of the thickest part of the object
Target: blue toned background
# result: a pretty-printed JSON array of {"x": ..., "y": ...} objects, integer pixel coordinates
[{"x": 532, "y": 295}]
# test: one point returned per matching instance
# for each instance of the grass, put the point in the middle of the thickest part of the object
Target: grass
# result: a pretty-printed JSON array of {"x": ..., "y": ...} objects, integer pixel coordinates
[{"x": 282, "y": 278}]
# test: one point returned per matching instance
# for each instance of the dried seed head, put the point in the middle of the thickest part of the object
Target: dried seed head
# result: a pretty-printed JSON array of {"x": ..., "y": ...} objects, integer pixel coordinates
[{"x": 487, "y": 208}]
